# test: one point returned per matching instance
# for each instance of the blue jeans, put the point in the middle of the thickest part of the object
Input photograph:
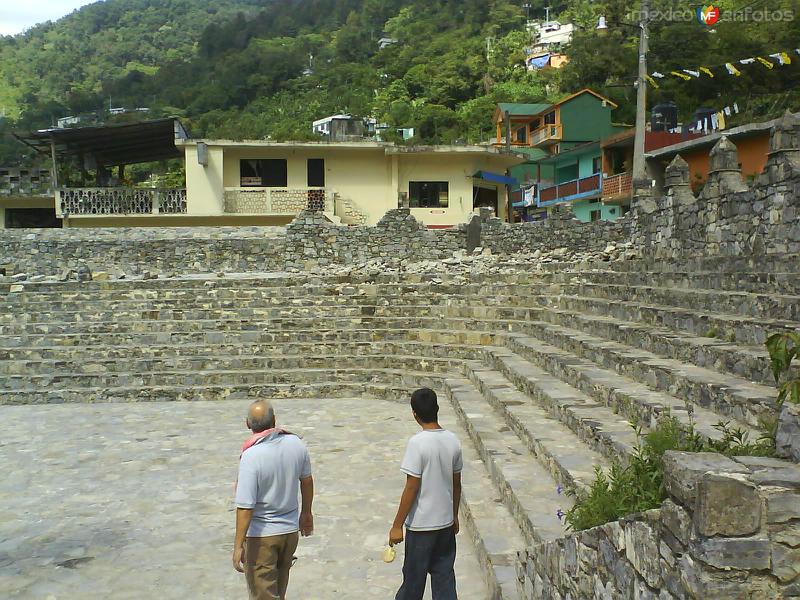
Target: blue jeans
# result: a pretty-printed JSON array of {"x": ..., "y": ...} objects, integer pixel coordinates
[{"x": 431, "y": 552}]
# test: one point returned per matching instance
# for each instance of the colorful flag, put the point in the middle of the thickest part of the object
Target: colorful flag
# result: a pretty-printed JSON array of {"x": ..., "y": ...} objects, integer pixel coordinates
[
  {"x": 765, "y": 62},
  {"x": 732, "y": 70},
  {"x": 651, "y": 81},
  {"x": 681, "y": 75},
  {"x": 706, "y": 70},
  {"x": 692, "y": 73}
]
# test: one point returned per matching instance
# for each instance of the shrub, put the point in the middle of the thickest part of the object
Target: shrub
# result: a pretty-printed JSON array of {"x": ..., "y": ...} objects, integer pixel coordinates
[
  {"x": 783, "y": 349},
  {"x": 639, "y": 485}
]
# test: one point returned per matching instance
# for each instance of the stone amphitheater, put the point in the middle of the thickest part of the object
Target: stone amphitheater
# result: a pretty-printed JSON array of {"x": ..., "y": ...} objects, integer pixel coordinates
[{"x": 544, "y": 341}]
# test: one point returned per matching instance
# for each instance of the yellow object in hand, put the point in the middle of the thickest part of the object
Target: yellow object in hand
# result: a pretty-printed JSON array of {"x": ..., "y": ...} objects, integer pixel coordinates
[{"x": 389, "y": 554}]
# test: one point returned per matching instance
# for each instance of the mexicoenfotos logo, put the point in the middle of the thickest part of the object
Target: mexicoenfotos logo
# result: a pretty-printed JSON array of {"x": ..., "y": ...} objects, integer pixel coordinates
[{"x": 708, "y": 15}]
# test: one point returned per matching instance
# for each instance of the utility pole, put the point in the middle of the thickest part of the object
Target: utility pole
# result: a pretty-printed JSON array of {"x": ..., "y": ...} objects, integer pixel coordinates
[{"x": 639, "y": 169}]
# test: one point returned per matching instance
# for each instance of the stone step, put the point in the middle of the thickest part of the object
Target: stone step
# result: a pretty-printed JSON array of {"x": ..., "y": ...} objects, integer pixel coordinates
[
  {"x": 595, "y": 424},
  {"x": 761, "y": 306},
  {"x": 397, "y": 390},
  {"x": 741, "y": 281},
  {"x": 626, "y": 397},
  {"x": 486, "y": 520},
  {"x": 126, "y": 368},
  {"x": 83, "y": 359},
  {"x": 347, "y": 373},
  {"x": 724, "y": 394},
  {"x": 743, "y": 330},
  {"x": 527, "y": 489},
  {"x": 571, "y": 463},
  {"x": 234, "y": 336},
  {"x": 748, "y": 362}
]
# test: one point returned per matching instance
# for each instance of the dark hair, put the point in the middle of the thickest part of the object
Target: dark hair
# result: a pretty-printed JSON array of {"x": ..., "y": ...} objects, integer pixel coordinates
[{"x": 423, "y": 403}]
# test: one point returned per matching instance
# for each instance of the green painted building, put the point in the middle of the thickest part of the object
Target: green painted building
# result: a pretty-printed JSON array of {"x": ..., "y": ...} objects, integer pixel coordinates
[{"x": 562, "y": 143}]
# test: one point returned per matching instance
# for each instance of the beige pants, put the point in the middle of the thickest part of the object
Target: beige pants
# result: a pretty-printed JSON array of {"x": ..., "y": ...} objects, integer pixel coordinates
[{"x": 267, "y": 561}]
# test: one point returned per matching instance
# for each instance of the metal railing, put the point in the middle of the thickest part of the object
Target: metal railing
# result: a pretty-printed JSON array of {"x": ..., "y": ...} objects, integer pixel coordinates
[
  {"x": 120, "y": 201},
  {"x": 277, "y": 201}
]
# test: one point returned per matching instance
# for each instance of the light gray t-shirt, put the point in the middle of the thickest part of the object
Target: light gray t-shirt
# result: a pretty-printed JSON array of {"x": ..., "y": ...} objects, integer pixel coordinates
[
  {"x": 433, "y": 455},
  {"x": 269, "y": 483}
]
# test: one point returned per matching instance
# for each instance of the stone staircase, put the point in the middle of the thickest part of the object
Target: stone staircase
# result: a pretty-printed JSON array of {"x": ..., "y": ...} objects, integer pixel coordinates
[{"x": 544, "y": 370}]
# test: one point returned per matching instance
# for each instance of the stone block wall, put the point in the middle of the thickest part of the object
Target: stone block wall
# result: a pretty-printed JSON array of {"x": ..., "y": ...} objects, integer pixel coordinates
[
  {"x": 729, "y": 529},
  {"x": 132, "y": 250},
  {"x": 313, "y": 241}
]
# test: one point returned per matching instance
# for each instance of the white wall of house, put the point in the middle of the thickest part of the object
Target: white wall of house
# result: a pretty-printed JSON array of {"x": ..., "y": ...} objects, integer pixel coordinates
[{"x": 371, "y": 175}]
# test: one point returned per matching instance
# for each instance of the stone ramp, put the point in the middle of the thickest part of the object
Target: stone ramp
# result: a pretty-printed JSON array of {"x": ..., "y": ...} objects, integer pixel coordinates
[{"x": 543, "y": 373}]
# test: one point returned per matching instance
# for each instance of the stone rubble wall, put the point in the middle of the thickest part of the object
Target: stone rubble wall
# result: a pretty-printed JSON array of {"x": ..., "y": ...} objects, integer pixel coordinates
[
  {"x": 729, "y": 529},
  {"x": 312, "y": 241},
  {"x": 727, "y": 219},
  {"x": 133, "y": 250}
]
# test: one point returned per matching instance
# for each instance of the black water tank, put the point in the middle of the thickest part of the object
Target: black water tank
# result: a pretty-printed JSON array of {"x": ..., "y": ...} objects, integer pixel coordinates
[
  {"x": 664, "y": 116},
  {"x": 703, "y": 115}
]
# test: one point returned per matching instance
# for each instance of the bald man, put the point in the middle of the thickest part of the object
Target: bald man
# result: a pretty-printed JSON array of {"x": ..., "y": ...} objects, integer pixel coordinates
[{"x": 273, "y": 467}]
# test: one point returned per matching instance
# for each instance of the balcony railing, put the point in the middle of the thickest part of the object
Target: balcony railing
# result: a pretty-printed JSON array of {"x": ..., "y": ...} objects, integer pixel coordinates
[
  {"x": 617, "y": 186},
  {"x": 548, "y": 133},
  {"x": 120, "y": 201},
  {"x": 569, "y": 190},
  {"x": 277, "y": 201}
]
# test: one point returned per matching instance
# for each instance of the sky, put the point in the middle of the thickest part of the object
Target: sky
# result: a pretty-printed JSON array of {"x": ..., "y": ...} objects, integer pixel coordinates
[{"x": 16, "y": 16}]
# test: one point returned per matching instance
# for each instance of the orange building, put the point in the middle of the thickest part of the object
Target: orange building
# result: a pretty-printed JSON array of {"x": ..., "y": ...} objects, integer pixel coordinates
[{"x": 751, "y": 141}]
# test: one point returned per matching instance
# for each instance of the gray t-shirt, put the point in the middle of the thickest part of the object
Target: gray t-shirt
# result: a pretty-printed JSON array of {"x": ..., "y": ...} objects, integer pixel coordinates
[
  {"x": 269, "y": 483},
  {"x": 433, "y": 455}
]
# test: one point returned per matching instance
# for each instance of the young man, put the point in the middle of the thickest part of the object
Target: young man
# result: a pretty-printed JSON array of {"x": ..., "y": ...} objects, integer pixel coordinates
[
  {"x": 273, "y": 465},
  {"x": 429, "y": 504}
]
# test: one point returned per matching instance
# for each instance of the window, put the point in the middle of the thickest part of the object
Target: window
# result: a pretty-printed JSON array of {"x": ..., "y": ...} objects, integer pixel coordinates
[
  {"x": 550, "y": 118},
  {"x": 315, "y": 168},
  {"x": 521, "y": 135},
  {"x": 536, "y": 124},
  {"x": 597, "y": 164},
  {"x": 428, "y": 194},
  {"x": 265, "y": 172},
  {"x": 594, "y": 215}
]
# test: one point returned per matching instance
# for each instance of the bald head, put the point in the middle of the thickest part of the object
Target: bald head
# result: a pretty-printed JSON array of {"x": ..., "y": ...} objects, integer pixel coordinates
[{"x": 260, "y": 416}]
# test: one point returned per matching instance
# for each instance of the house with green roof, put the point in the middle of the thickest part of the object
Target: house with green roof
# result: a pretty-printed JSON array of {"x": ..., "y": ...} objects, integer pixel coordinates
[{"x": 561, "y": 141}]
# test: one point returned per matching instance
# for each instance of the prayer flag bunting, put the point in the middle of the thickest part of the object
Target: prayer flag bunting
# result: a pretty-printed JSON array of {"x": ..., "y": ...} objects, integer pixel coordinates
[
  {"x": 651, "y": 81},
  {"x": 706, "y": 70},
  {"x": 681, "y": 75},
  {"x": 747, "y": 61},
  {"x": 732, "y": 70},
  {"x": 765, "y": 62},
  {"x": 661, "y": 75},
  {"x": 692, "y": 73}
]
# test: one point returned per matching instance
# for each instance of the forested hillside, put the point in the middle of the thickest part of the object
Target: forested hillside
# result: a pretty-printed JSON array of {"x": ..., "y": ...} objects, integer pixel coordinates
[{"x": 253, "y": 69}]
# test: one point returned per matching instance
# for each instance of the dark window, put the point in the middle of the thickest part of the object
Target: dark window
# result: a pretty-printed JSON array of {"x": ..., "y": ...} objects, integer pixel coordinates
[
  {"x": 597, "y": 164},
  {"x": 536, "y": 124},
  {"x": 428, "y": 194},
  {"x": 521, "y": 134},
  {"x": 267, "y": 172},
  {"x": 316, "y": 172},
  {"x": 550, "y": 118},
  {"x": 594, "y": 215}
]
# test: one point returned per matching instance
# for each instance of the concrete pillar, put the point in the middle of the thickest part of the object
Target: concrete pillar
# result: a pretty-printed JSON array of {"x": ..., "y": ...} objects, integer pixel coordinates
[{"x": 725, "y": 175}]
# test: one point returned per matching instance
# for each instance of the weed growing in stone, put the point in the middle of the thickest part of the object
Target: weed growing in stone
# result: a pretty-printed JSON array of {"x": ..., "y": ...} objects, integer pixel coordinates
[
  {"x": 783, "y": 349},
  {"x": 639, "y": 485}
]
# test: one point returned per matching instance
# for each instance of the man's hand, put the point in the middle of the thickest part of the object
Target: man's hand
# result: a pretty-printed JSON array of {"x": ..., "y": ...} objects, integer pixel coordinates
[
  {"x": 455, "y": 526},
  {"x": 238, "y": 559},
  {"x": 306, "y": 524},
  {"x": 395, "y": 536}
]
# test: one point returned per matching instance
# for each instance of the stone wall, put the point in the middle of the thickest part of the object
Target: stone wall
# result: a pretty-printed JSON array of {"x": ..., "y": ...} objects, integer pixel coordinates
[
  {"x": 132, "y": 250},
  {"x": 313, "y": 241},
  {"x": 730, "y": 529}
]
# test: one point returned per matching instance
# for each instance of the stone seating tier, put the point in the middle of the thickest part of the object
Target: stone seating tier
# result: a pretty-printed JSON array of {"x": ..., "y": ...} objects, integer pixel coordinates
[{"x": 544, "y": 371}]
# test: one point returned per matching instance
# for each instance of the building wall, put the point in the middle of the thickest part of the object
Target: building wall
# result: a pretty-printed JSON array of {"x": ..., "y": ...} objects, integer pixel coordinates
[
  {"x": 454, "y": 169},
  {"x": 584, "y": 118},
  {"x": 204, "y": 183},
  {"x": 582, "y": 209}
]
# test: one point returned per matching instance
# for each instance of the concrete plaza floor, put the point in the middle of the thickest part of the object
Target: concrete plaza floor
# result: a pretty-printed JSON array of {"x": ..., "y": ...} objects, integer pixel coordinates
[{"x": 136, "y": 500}]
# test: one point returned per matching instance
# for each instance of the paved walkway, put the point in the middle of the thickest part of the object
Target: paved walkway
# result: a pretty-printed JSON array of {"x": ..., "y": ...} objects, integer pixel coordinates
[{"x": 135, "y": 500}]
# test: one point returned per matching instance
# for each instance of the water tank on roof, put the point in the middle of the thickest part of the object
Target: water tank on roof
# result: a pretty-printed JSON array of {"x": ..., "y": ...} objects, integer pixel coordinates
[
  {"x": 703, "y": 116},
  {"x": 664, "y": 116}
]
